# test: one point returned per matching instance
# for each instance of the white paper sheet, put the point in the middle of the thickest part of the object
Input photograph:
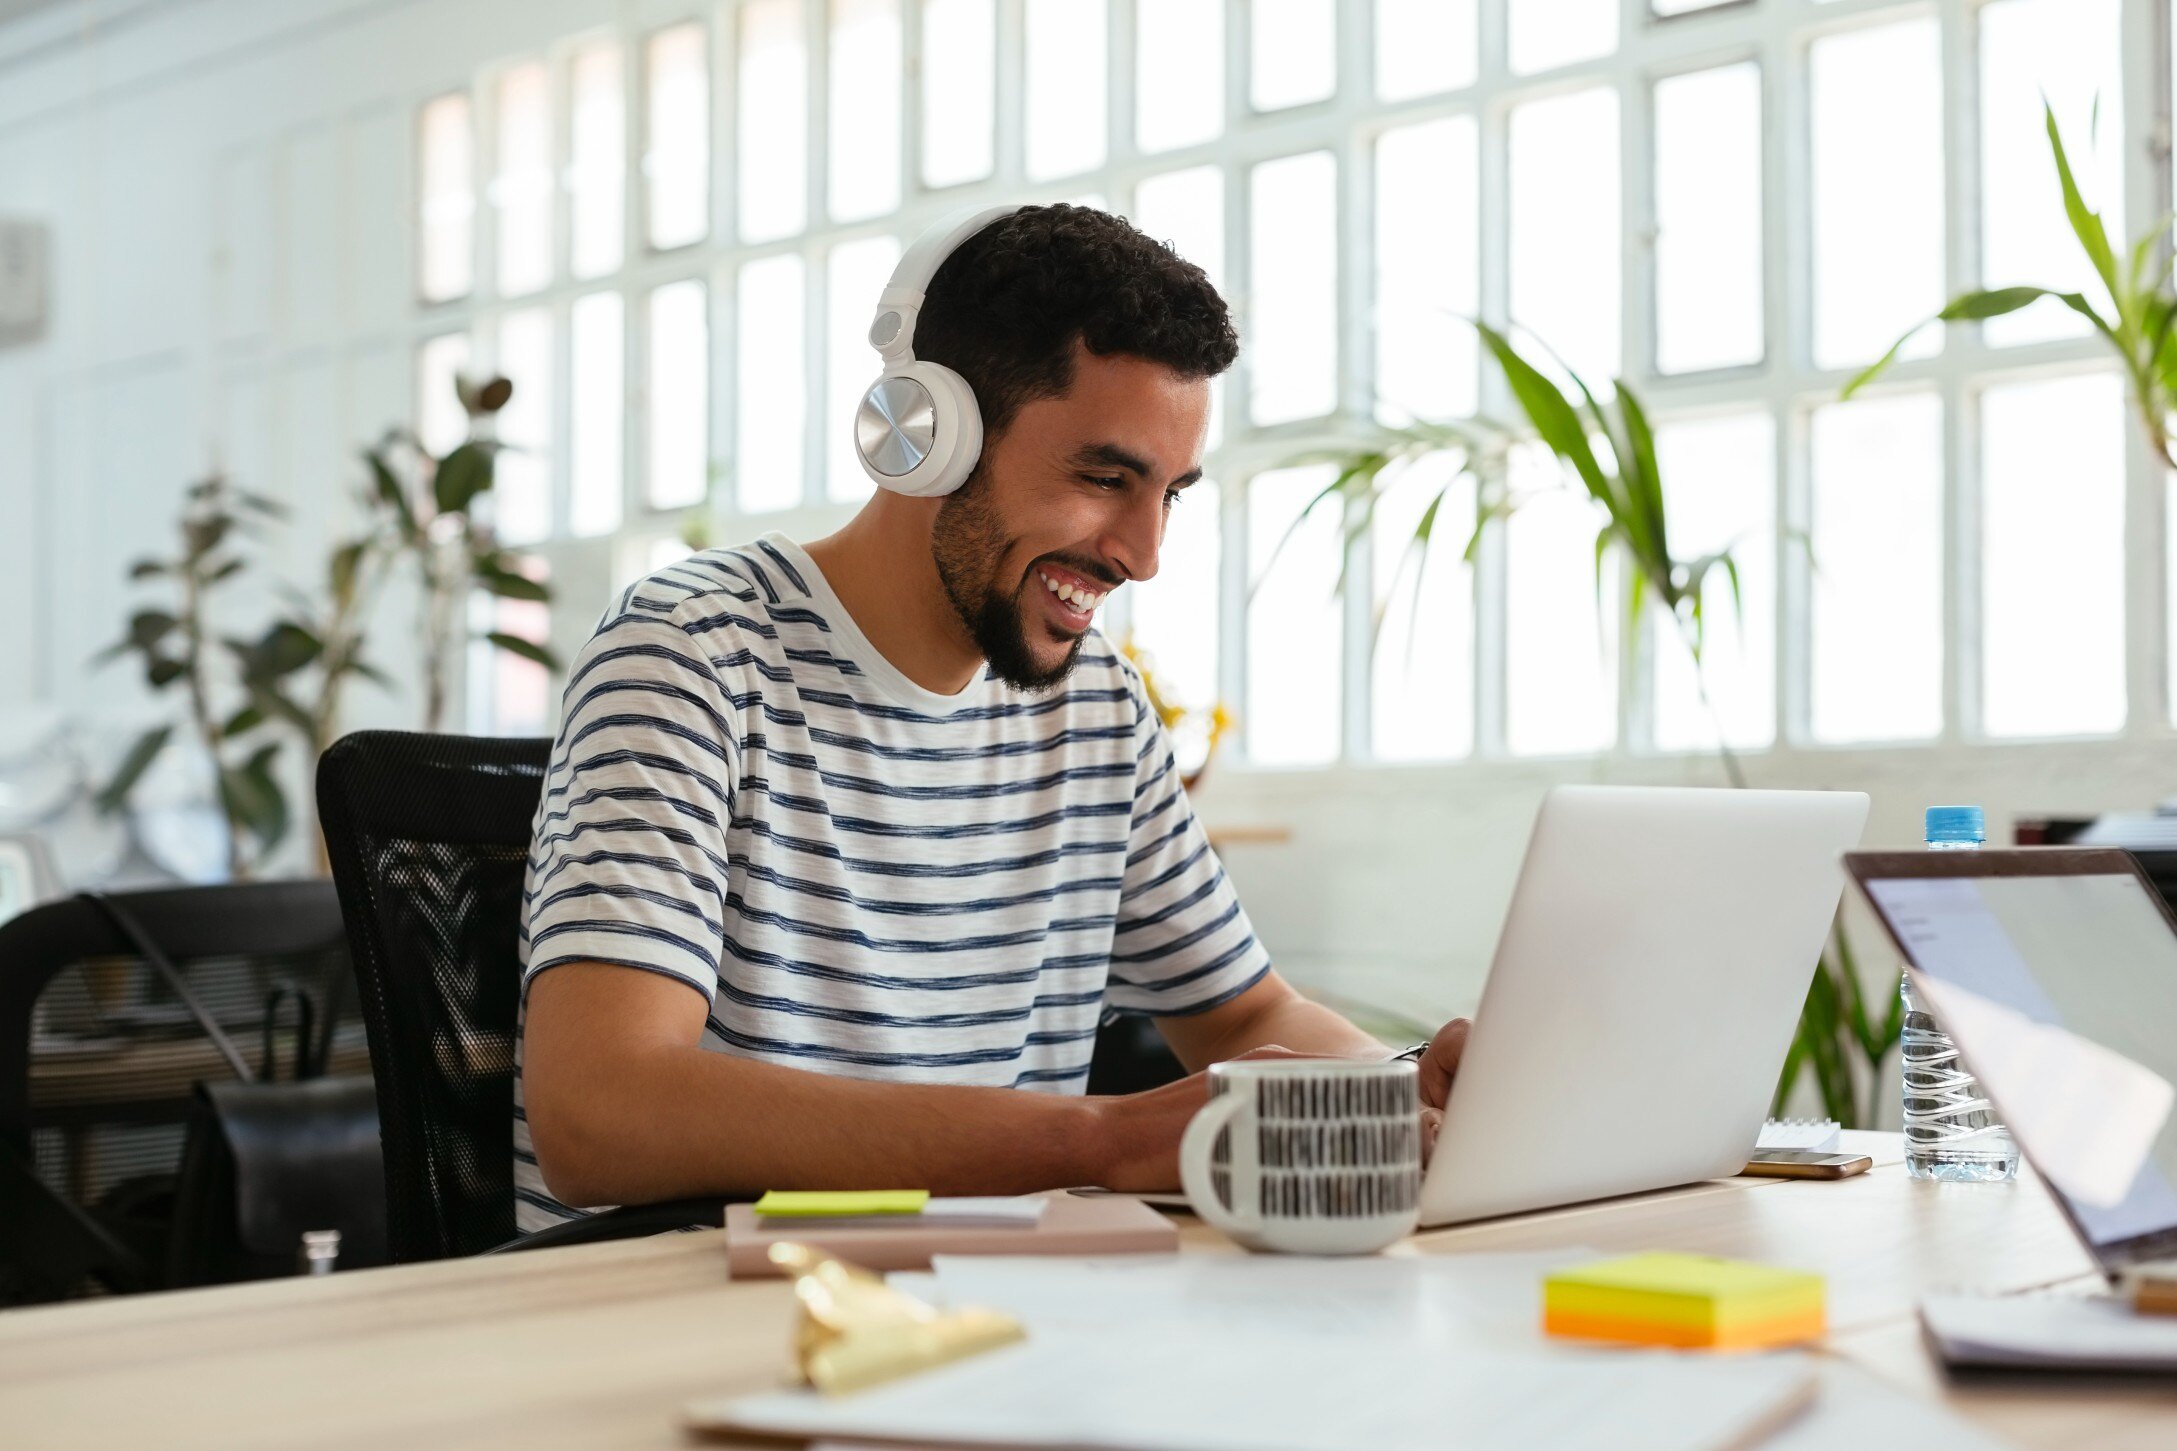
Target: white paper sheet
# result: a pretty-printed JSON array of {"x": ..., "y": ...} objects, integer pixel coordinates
[
  {"x": 1270, "y": 1391},
  {"x": 2074, "y": 1331},
  {"x": 2088, "y": 1115}
]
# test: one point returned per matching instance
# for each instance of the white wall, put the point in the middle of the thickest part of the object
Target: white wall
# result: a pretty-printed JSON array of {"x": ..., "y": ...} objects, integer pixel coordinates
[{"x": 227, "y": 185}]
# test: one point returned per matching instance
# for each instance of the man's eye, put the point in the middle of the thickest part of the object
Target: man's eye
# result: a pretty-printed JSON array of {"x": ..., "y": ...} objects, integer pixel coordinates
[
  {"x": 1171, "y": 497},
  {"x": 1111, "y": 482}
]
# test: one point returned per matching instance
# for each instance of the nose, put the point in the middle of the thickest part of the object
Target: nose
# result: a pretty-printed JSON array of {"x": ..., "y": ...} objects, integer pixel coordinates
[{"x": 1136, "y": 534}]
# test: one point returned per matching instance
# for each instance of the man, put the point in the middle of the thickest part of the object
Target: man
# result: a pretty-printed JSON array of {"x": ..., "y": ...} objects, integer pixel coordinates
[{"x": 846, "y": 850}]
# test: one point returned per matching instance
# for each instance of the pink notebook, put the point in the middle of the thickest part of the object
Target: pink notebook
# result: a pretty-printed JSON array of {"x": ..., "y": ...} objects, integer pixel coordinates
[{"x": 1074, "y": 1225}]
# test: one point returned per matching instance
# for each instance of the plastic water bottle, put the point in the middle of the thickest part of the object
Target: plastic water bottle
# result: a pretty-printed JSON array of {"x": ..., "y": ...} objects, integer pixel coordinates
[{"x": 1949, "y": 1131}]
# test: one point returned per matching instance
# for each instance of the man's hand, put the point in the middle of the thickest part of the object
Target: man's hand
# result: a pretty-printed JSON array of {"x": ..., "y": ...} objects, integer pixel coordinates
[
  {"x": 1140, "y": 1132},
  {"x": 1438, "y": 1067}
]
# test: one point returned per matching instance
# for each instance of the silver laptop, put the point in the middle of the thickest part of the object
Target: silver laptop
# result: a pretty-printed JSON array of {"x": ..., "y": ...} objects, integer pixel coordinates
[
  {"x": 1643, "y": 994},
  {"x": 2054, "y": 938}
]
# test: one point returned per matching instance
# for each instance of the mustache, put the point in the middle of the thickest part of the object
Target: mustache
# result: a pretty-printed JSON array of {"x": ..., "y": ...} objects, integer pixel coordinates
[{"x": 1087, "y": 569}]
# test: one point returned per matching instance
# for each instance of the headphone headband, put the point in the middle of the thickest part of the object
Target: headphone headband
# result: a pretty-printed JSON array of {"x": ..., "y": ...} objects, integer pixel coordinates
[{"x": 892, "y": 332}]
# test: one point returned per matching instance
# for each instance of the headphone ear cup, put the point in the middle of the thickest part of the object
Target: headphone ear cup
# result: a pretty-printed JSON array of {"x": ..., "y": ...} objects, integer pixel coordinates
[{"x": 922, "y": 420}]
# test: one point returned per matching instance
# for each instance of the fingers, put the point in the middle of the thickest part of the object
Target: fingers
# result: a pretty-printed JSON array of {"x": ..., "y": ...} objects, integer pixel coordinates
[
  {"x": 1441, "y": 1063},
  {"x": 1432, "y": 1121}
]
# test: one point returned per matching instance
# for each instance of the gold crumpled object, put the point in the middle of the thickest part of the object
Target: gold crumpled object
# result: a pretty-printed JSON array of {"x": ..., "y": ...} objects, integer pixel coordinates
[{"x": 856, "y": 1331}]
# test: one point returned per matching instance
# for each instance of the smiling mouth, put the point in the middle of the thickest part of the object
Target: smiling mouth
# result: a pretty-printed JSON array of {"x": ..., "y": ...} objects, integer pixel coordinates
[{"x": 1072, "y": 594}]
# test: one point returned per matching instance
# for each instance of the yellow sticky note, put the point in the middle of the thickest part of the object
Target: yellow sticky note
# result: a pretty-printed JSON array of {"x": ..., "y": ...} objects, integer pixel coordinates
[
  {"x": 840, "y": 1203},
  {"x": 1684, "y": 1300}
]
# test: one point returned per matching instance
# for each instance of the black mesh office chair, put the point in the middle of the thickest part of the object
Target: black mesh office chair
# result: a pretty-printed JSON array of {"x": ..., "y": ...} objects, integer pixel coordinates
[
  {"x": 99, "y": 1062},
  {"x": 428, "y": 835}
]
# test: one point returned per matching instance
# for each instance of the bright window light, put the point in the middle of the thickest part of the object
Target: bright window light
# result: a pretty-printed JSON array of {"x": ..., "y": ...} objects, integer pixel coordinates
[
  {"x": 857, "y": 273},
  {"x": 1708, "y": 219},
  {"x": 1560, "y": 642},
  {"x": 2052, "y": 556},
  {"x": 521, "y": 490},
  {"x": 597, "y": 164},
  {"x": 441, "y": 422},
  {"x": 1546, "y": 34},
  {"x": 1292, "y": 306},
  {"x": 1068, "y": 46},
  {"x": 1719, "y": 491},
  {"x": 677, "y": 137},
  {"x": 1295, "y": 630},
  {"x": 1567, "y": 246},
  {"x": 773, "y": 386},
  {"x": 597, "y": 412},
  {"x": 1424, "y": 46},
  {"x": 1428, "y": 270},
  {"x": 865, "y": 108},
  {"x": 959, "y": 90},
  {"x": 521, "y": 192},
  {"x": 774, "y": 135},
  {"x": 446, "y": 200},
  {"x": 1175, "y": 614},
  {"x": 1293, "y": 53},
  {"x": 1423, "y": 671},
  {"x": 1878, "y": 569},
  {"x": 679, "y": 385},
  {"x": 1179, "y": 76},
  {"x": 1877, "y": 102}
]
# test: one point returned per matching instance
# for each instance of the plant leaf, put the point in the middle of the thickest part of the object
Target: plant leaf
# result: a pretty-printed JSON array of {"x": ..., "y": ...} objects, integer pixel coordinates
[
  {"x": 462, "y": 475},
  {"x": 527, "y": 649},
  {"x": 2086, "y": 223},
  {"x": 242, "y": 722},
  {"x": 507, "y": 584},
  {"x": 148, "y": 627},
  {"x": 115, "y": 793},
  {"x": 1552, "y": 415}
]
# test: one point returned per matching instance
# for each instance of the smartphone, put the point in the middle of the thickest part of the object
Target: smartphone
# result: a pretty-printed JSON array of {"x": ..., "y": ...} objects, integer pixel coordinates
[{"x": 1806, "y": 1164}]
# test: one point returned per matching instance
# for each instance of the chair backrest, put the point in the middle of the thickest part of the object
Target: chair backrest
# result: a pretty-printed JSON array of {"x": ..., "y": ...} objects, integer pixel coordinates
[
  {"x": 428, "y": 836},
  {"x": 96, "y": 1079}
]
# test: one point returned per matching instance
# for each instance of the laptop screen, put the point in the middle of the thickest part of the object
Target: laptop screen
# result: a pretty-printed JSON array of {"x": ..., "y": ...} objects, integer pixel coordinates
[{"x": 2091, "y": 954}]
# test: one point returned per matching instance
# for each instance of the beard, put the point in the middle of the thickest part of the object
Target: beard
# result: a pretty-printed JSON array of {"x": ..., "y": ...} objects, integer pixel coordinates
[{"x": 968, "y": 542}]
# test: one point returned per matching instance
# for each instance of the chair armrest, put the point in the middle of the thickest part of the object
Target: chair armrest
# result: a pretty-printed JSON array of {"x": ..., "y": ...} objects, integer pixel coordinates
[{"x": 630, "y": 1221}]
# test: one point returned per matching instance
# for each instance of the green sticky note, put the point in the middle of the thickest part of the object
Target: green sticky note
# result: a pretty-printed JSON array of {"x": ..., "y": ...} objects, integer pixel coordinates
[{"x": 839, "y": 1203}]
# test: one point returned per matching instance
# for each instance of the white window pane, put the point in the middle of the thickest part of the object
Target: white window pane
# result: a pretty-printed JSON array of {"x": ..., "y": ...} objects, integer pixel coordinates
[
  {"x": 1186, "y": 210},
  {"x": 521, "y": 489},
  {"x": 1295, "y": 629},
  {"x": 1878, "y": 189},
  {"x": 1424, "y": 46},
  {"x": 1424, "y": 666},
  {"x": 1545, "y": 34},
  {"x": 1428, "y": 270},
  {"x": 1293, "y": 53},
  {"x": 1292, "y": 311},
  {"x": 677, "y": 155},
  {"x": 521, "y": 192},
  {"x": 858, "y": 272},
  {"x": 1560, "y": 640},
  {"x": 1175, "y": 614},
  {"x": 1708, "y": 219},
  {"x": 2066, "y": 51},
  {"x": 2052, "y": 557},
  {"x": 1878, "y": 569},
  {"x": 865, "y": 108},
  {"x": 445, "y": 199},
  {"x": 1719, "y": 492},
  {"x": 774, "y": 144},
  {"x": 773, "y": 388},
  {"x": 597, "y": 349},
  {"x": 597, "y": 165},
  {"x": 1566, "y": 240},
  {"x": 1180, "y": 75},
  {"x": 441, "y": 422},
  {"x": 679, "y": 394},
  {"x": 959, "y": 90},
  {"x": 1068, "y": 49}
]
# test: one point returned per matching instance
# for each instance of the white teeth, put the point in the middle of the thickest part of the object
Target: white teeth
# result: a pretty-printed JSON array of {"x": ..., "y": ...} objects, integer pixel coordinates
[
  {"x": 1050, "y": 584},
  {"x": 1081, "y": 599}
]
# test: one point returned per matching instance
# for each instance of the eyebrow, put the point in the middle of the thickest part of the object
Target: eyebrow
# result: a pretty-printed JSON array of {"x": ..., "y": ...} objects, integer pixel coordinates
[{"x": 1111, "y": 455}]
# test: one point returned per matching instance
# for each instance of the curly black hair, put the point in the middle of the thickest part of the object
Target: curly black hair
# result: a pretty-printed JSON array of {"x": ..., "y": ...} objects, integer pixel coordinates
[{"x": 1004, "y": 309}]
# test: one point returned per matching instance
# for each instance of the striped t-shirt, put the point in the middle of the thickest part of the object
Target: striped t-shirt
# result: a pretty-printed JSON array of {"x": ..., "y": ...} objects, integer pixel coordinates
[{"x": 865, "y": 877}]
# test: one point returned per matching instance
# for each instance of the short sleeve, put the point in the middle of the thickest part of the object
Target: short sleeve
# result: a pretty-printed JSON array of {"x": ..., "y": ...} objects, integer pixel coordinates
[
  {"x": 1182, "y": 943},
  {"x": 627, "y": 863}
]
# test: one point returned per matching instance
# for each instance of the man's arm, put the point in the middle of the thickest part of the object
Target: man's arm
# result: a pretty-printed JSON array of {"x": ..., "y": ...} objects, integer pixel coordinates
[
  {"x": 625, "y": 1107},
  {"x": 1269, "y": 1013}
]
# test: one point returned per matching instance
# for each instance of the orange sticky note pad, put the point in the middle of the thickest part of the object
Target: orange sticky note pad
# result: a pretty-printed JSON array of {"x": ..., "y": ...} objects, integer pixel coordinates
[{"x": 1685, "y": 1301}]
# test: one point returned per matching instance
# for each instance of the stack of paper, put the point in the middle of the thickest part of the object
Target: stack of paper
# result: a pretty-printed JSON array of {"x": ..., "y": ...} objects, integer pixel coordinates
[
  {"x": 1817, "y": 1136},
  {"x": 897, "y": 1209},
  {"x": 2049, "y": 1332}
]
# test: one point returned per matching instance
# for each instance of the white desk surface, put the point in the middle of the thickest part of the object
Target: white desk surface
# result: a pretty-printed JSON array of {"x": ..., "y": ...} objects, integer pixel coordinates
[{"x": 602, "y": 1344}]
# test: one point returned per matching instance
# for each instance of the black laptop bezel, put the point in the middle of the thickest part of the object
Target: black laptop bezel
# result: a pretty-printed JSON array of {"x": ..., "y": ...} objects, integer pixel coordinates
[{"x": 2029, "y": 861}]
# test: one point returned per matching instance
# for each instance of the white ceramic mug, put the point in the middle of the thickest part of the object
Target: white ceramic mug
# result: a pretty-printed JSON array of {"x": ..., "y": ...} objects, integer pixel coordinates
[{"x": 1308, "y": 1156}]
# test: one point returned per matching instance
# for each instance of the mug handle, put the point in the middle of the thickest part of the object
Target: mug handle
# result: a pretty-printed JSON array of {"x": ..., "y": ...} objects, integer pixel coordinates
[{"x": 1195, "y": 1148}]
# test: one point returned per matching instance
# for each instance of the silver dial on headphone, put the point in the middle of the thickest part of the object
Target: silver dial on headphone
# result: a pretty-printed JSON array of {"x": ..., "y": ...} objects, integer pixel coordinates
[{"x": 895, "y": 426}]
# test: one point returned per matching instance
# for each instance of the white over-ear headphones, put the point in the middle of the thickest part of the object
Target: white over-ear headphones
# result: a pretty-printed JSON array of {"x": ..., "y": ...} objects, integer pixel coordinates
[{"x": 918, "y": 430}]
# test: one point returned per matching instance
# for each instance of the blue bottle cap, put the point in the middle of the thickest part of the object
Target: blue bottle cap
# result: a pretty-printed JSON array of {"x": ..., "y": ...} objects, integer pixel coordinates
[{"x": 1957, "y": 823}]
